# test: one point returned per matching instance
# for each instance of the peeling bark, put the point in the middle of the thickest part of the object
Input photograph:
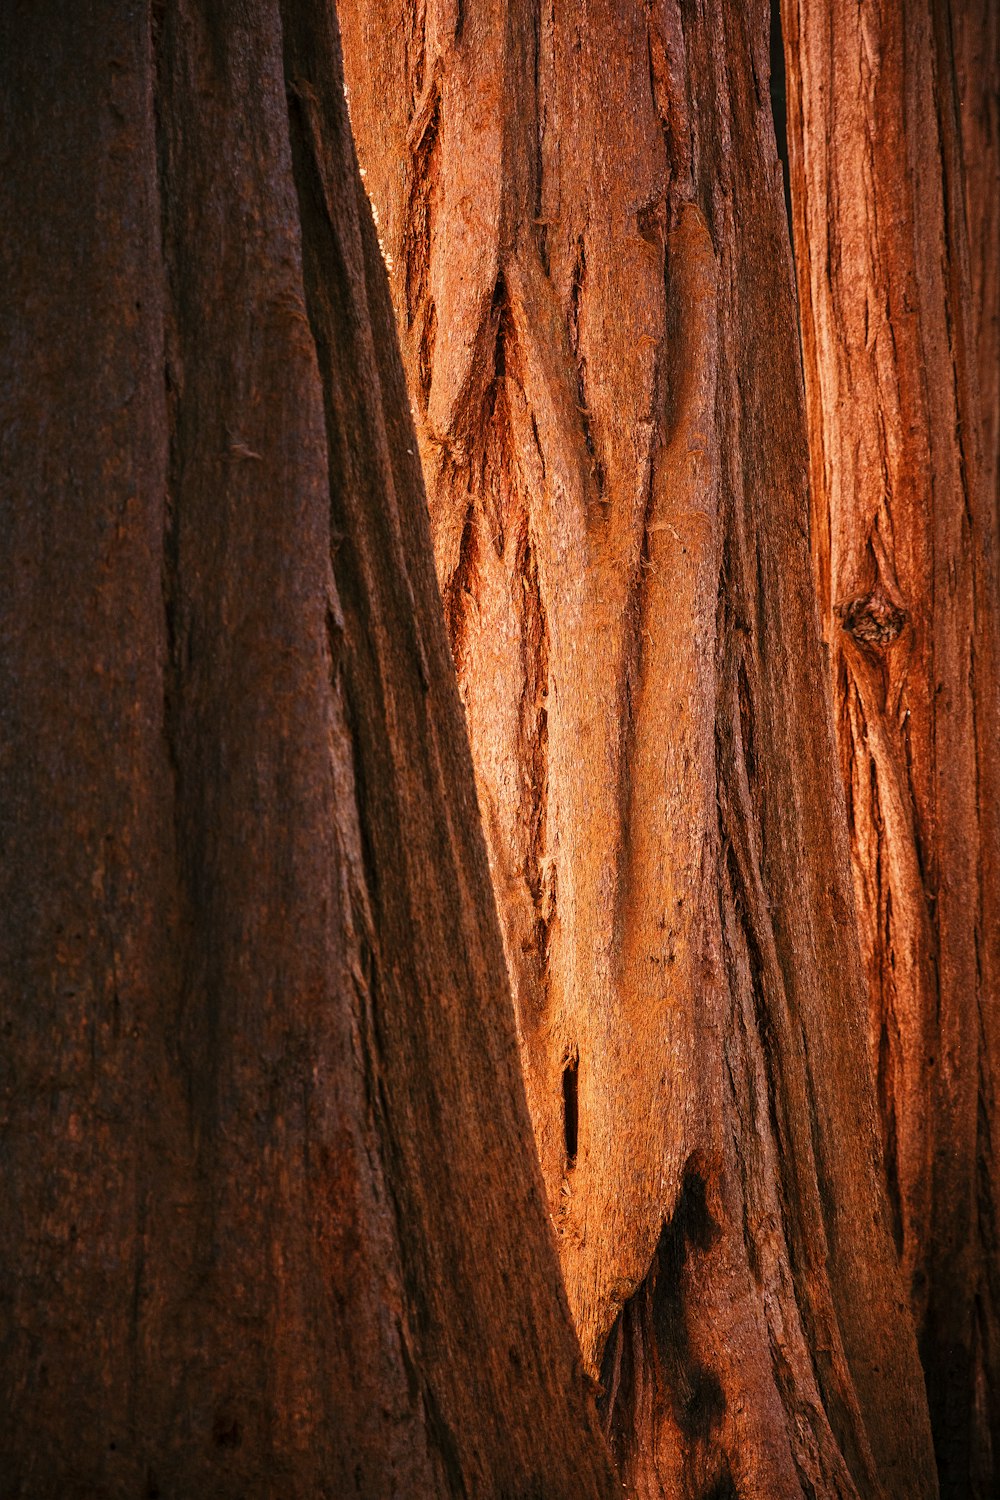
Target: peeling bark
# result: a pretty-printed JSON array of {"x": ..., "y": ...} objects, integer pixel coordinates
[
  {"x": 272, "y": 1221},
  {"x": 893, "y": 131},
  {"x": 582, "y": 212}
]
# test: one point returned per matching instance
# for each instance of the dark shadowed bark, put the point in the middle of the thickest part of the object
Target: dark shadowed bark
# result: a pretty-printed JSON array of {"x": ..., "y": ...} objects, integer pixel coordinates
[
  {"x": 272, "y": 1223},
  {"x": 893, "y": 126},
  {"x": 583, "y": 216}
]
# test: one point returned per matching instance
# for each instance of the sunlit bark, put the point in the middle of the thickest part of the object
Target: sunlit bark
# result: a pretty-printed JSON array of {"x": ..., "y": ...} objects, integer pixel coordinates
[{"x": 583, "y": 215}]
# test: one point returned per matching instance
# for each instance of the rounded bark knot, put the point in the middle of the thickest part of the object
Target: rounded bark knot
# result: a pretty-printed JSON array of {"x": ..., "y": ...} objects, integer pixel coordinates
[{"x": 876, "y": 617}]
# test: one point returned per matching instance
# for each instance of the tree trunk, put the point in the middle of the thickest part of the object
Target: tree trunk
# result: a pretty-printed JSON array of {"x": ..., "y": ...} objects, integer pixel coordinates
[
  {"x": 583, "y": 217},
  {"x": 893, "y": 117},
  {"x": 272, "y": 1224}
]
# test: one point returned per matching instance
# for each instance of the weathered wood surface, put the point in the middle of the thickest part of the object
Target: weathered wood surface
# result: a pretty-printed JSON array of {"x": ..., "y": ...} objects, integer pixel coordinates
[
  {"x": 583, "y": 216},
  {"x": 272, "y": 1224},
  {"x": 893, "y": 135}
]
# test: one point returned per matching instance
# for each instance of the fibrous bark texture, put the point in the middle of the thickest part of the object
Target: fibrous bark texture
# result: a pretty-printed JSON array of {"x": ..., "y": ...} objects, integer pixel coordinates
[
  {"x": 272, "y": 1223},
  {"x": 893, "y": 133},
  {"x": 582, "y": 213}
]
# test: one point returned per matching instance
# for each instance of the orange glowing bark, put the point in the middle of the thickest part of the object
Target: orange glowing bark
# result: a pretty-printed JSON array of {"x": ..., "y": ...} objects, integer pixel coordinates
[{"x": 583, "y": 215}]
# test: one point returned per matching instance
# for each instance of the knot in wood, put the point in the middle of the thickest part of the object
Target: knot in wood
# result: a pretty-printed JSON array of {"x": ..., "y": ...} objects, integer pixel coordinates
[{"x": 875, "y": 619}]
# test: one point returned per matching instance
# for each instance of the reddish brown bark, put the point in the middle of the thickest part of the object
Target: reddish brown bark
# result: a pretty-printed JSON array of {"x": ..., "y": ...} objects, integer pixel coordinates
[
  {"x": 975, "y": 40},
  {"x": 583, "y": 216},
  {"x": 894, "y": 140},
  {"x": 272, "y": 1222}
]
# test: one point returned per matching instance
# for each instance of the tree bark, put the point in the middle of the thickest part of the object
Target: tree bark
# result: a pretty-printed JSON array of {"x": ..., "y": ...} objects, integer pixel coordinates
[
  {"x": 583, "y": 217},
  {"x": 893, "y": 133},
  {"x": 273, "y": 1224}
]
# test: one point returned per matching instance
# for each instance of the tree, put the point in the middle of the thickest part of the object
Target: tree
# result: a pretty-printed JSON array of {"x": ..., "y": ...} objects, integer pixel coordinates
[
  {"x": 893, "y": 116},
  {"x": 582, "y": 213},
  {"x": 272, "y": 1223}
]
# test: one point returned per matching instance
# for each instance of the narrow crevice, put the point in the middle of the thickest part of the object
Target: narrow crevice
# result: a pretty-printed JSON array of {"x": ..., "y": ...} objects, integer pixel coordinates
[
  {"x": 886, "y": 1095},
  {"x": 539, "y": 164},
  {"x": 779, "y": 115},
  {"x": 571, "y": 1108},
  {"x": 539, "y": 873},
  {"x": 505, "y": 349},
  {"x": 461, "y": 588},
  {"x": 423, "y": 185},
  {"x": 425, "y": 354},
  {"x": 779, "y": 108}
]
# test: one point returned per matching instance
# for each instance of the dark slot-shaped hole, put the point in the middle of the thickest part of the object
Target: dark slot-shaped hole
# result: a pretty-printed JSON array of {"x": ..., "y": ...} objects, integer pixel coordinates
[
  {"x": 779, "y": 102},
  {"x": 571, "y": 1107}
]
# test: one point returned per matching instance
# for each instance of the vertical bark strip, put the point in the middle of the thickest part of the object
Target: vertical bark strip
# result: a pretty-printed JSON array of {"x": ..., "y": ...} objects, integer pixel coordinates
[
  {"x": 583, "y": 217},
  {"x": 893, "y": 137},
  {"x": 272, "y": 1221}
]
